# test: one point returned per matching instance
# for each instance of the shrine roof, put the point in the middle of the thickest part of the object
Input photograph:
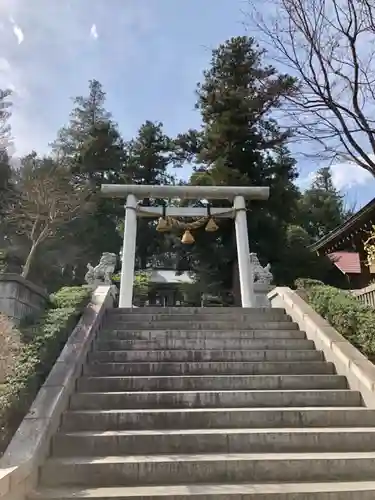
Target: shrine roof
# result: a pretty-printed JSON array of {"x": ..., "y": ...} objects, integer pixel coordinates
[{"x": 360, "y": 221}]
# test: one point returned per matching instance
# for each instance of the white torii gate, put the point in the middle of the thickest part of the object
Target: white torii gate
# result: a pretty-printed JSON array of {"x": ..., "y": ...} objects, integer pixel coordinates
[{"x": 237, "y": 194}]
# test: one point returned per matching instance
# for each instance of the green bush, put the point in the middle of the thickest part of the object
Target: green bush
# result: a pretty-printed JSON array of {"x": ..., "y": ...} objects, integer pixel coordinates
[
  {"x": 141, "y": 285},
  {"x": 3, "y": 261},
  {"x": 42, "y": 344},
  {"x": 306, "y": 283},
  {"x": 70, "y": 296},
  {"x": 354, "y": 320}
]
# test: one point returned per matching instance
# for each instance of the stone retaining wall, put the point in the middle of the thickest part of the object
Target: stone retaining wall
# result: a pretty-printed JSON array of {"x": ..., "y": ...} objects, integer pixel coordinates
[{"x": 20, "y": 298}]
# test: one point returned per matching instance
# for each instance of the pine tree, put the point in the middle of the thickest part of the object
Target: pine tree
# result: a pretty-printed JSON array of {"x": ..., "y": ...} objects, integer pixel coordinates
[
  {"x": 150, "y": 159},
  {"x": 5, "y": 168},
  {"x": 151, "y": 155},
  {"x": 5, "y": 175},
  {"x": 321, "y": 207},
  {"x": 243, "y": 145},
  {"x": 5, "y": 180}
]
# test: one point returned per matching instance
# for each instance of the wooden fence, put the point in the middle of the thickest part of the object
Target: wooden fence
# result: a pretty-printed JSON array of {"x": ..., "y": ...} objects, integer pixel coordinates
[{"x": 366, "y": 295}]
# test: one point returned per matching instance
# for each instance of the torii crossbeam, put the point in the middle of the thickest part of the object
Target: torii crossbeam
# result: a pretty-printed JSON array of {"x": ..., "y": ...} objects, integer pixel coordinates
[{"x": 135, "y": 193}]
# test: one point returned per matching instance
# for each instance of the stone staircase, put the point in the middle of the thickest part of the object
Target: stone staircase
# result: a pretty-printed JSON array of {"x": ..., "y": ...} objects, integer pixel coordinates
[{"x": 210, "y": 404}]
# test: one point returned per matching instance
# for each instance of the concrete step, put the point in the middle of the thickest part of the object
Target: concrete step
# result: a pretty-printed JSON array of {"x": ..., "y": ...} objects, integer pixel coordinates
[
  {"x": 269, "y": 314},
  {"x": 204, "y": 356},
  {"x": 178, "y": 311},
  {"x": 213, "y": 399},
  {"x": 208, "y": 468},
  {"x": 197, "y": 335},
  {"x": 206, "y": 368},
  {"x": 213, "y": 441},
  {"x": 217, "y": 418},
  {"x": 227, "y": 325},
  {"x": 190, "y": 309},
  {"x": 203, "y": 344},
  {"x": 358, "y": 490},
  {"x": 211, "y": 382}
]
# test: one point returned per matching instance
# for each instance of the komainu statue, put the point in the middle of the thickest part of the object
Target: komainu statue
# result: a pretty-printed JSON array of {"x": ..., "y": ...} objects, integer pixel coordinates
[
  {"x": 261, "y": 274},
  {"x": 102, "y": 273}
]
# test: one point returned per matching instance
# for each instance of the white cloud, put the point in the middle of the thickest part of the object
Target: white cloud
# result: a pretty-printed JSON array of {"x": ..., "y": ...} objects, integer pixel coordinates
[
  {"x": 348, "y": 175},
  {"x": 17, "y": 31},
  {"x": 94, "y": 32},
  {"x": 344, "y": 176}
]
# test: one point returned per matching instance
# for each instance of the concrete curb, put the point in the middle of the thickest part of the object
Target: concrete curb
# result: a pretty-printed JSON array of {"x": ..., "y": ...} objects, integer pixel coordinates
[
  {"x": 358, "y": 370},
  {"x": 30, "y": 444}
]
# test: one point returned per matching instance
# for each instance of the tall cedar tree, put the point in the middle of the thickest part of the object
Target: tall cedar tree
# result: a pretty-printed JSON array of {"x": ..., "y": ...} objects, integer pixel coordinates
[
  {"x": 92, "y": 149},
  {"x": 150, "y": 158},
  {"x": 5, "y": 169},
  {"x": 5, "y": 177},
  {"x": 321, "y": 207},
  {"x": 243, "y": 145}
]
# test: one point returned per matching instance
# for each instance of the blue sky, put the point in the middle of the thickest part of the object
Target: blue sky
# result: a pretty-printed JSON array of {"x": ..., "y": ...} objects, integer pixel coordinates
[{"x": 148, "y": 54}]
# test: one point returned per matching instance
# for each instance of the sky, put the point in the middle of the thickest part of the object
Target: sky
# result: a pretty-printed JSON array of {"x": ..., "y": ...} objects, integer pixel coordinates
[{"x": 148, "y": 54}]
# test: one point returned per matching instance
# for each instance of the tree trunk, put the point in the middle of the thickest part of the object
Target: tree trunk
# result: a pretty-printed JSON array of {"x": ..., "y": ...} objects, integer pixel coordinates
[{"x": 29, "y": 261}]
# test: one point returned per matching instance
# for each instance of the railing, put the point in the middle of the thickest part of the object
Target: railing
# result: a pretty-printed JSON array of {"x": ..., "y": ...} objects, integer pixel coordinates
[{"x": 366, "y": 295}]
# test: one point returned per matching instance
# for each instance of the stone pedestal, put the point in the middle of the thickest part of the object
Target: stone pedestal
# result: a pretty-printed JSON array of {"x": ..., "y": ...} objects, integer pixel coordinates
[
  {"x": 19, "y": 298},
  {"x": 260, "y": 291}
]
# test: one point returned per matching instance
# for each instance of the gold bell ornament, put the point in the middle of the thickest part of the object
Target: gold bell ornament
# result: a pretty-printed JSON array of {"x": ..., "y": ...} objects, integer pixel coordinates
[
  {"x": 163, "y": 224},
  {"x": 187, "y": 238},
  {"x": 211, "y": 225}
]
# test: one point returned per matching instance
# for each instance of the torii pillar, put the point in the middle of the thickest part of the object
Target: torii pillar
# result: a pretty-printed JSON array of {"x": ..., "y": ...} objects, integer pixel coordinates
[{"x": 237, "y": 194}]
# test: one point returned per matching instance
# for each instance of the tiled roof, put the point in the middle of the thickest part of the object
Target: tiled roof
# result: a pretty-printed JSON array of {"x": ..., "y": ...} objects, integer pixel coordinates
[{"x": 347, "y": 262}]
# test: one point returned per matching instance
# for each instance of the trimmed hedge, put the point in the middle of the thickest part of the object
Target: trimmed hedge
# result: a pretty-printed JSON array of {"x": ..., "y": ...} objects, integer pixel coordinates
[
  {"x": 42, "y": 343},
  {"x": 353, "y": 319}
]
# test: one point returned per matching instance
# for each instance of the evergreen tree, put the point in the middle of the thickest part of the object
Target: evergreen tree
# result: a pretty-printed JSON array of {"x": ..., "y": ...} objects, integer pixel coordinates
[
  {"x": 242, "y": 145},
  {"x": 151, "y": 154},
  {"x": 5, "y": 180},
  {"x": 321, "y": 207},
  {"x": 295, "y": 260},
  {"x": 5, "y": 176},
  {"x": 150, "y": 159},
  {"x": 5, "y": 168},
  {"x": 91, "y": 147}
]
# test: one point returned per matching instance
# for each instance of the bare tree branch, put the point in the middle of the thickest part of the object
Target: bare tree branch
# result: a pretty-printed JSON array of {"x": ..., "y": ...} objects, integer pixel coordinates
[
  {"x": 330, "y": 46},
  {"x": 44, "y": 201}
]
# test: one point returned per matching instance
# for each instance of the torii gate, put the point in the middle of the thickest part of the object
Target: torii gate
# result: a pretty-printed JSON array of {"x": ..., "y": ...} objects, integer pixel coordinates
[{"x": 135, "y": 192}]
